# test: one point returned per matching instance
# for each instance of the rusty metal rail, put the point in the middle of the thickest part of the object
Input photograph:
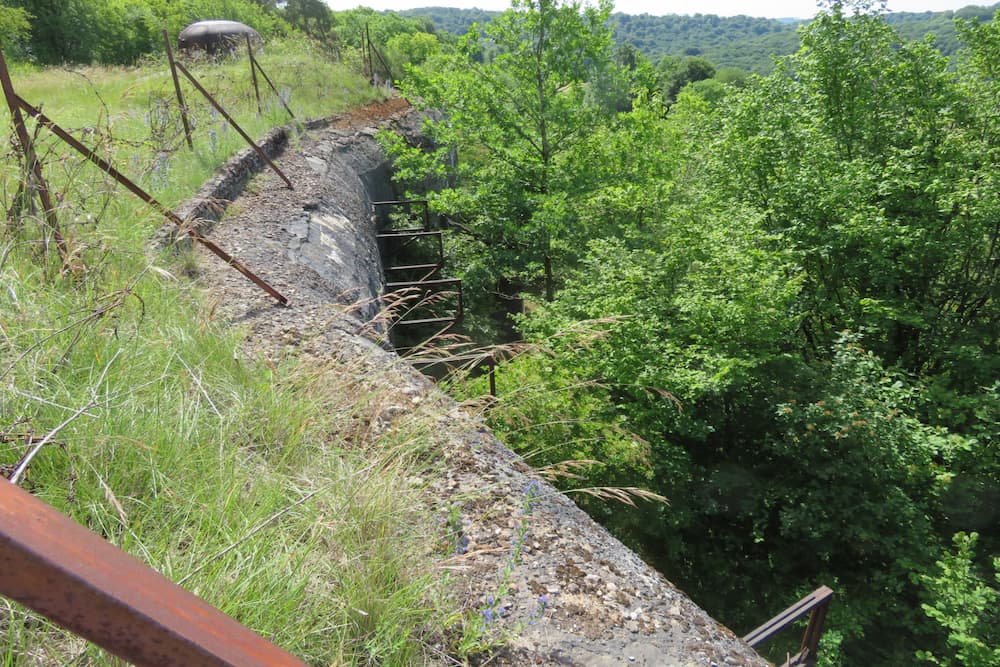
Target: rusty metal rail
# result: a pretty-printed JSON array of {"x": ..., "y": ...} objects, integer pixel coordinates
[
  {"x": 106, "y": 167},
  {"x": 18, "y": 103},
  {"x": 816, "y": 605},
  {"x": 475, "y": 360},
  {"x": 177, "y": 90},
  {"x": 254, "y": 68},
  {"x": 31, "y": 162},
  {"x": 229, "y": 119},
  {"x": 58, "y": 568}
]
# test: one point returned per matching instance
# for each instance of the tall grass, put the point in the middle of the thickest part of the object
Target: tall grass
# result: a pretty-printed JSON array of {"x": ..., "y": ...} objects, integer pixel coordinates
[{"x": 264, "y": 489}]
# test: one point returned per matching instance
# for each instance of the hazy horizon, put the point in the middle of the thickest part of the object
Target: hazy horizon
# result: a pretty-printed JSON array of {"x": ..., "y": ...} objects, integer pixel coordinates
[{"x": 801, "y": 9}]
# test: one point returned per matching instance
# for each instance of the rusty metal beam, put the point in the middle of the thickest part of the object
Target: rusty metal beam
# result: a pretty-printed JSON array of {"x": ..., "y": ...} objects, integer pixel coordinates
[
  {"x": 106, "y": 167},
  {"x": 218, "y": 107},
  {"x": 177, "y": 90},
  {"x": 63, "y": 571},
  {"x": 255, "y": 66},
  {"x": 815, "y": 604},
  {"x": 253, "y": 74},
  {"x": 31, "y": 160}
]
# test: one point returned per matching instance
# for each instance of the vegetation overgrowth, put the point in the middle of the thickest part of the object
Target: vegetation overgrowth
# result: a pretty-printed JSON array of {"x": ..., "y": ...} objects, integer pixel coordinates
[
  {"x": 264, "y": 486},
  {"x": 771, "y": 299}
]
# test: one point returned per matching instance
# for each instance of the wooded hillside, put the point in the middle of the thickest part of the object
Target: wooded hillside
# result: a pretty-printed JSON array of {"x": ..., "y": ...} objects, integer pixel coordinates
[
  {"x": 738, "y": 41},
  {"x": 773, "y": 300}
]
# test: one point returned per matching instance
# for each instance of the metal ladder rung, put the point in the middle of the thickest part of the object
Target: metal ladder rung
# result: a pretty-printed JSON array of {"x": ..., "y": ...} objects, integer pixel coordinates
[
  {"x": 405, "y": 234},
  {"x": 435, "y": 282},
  {"x": 413, "y": 267},
  {"x": 429, "y": 320}
]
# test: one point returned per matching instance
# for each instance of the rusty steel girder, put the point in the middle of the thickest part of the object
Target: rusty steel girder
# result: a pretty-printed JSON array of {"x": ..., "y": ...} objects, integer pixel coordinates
[{"x": 72, "y": 576}]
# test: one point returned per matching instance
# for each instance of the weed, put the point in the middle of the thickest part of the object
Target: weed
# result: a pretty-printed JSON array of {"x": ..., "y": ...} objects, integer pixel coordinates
[{"x": 482, "y": 632}]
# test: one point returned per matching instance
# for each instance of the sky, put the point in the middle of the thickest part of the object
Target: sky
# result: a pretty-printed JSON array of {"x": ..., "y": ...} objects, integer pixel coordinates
[{"x": 771, "y": 9}]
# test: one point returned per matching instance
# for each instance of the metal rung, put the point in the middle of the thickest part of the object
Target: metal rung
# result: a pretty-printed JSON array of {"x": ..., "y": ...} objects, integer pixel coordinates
[
  {"x": 437, "y": 282},
  {"x": 815, "y": 604},
  {"x": 430, "y": 320},
  {"x": 413, "y": 267},
  {"x": 405, "y": 233}
]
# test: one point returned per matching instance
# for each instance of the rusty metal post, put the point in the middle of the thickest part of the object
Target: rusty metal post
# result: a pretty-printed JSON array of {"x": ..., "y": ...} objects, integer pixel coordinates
[
  {"x": 388, "y": 70},
  {"x": 31, "y": 162},
  {"x": 235, "y": 125},
  {"x": 813, "y": 633},
  {"x": 253, "y": 74},
  {"x": 271, "y": 84},
  {"x": 492, "y": 364},
  {"x": 58, "y": 568},
  {"x": 815, "y": 604},
  {"x": 371, "y": 62},
  {"x": 106, "y": 167},
  {"x": 177, "y": 90}
]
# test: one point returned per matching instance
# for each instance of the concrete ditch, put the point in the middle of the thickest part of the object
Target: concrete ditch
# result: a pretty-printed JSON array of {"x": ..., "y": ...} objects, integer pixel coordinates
[{"x": 316, "y": 244}]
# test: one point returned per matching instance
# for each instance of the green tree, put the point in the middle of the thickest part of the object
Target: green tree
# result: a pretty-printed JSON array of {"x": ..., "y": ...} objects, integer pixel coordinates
[
  {"x": 511, "y": 118},
  {"x": 15, "y": 27},
  {"x": 677, "y": 73},
  {"x": 877, "y": 167},
  {"x": 311, "y": 16},
  {"x": 853, "y": 189},
  {"x": 121, "y": 31},
  {"x": 965, "y": 606}
]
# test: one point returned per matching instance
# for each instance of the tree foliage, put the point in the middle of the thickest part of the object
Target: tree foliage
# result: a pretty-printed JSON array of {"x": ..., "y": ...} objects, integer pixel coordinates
[
  {"x": 790, "y": 283},
  {"x": 15, "y": 27},
  {"x": 514, "y": 104},
  {"x": 121, "y": 31},
  {"x": 964, "y": 603}
]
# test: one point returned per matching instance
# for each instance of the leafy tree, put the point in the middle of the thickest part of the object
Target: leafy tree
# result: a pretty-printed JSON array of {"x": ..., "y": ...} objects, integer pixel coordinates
[
  {"x": 965, "y": 605},
  {"x": 313, "y": 17},
  {"x": 851, "y": 190},
  {"x": 62, "y": 30},
  {"x": 412, "y": 48},
  {"x": 15, "y": 27},
  {"x": 121, "y": 31},
  {"x": 512, "y": 118},
  {"x": 862, "y": 156},
  {"x": 678, "y": 73}
]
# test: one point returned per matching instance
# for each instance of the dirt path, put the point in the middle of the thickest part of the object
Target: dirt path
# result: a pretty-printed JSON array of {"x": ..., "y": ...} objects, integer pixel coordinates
[{"x": 539, "y": 570}]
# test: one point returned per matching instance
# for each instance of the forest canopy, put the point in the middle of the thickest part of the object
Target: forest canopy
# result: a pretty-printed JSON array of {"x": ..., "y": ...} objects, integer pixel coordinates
[{"x": 771, "y": 299}]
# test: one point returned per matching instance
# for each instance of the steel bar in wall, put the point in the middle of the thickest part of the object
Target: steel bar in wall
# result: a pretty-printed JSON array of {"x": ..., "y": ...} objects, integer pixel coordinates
[
  {"x": 106, "y": 167},
  {"x": 177, "y": 90},
  {"x": 31, "y": 160},
  {"x": 58, "y": 568},
  {"x": 218, "y": 107},
  {"x": 815, "y": 604}
]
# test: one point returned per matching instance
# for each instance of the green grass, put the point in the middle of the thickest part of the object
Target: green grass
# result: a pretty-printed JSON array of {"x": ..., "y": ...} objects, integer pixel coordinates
[{"x": 263, "y": 489}]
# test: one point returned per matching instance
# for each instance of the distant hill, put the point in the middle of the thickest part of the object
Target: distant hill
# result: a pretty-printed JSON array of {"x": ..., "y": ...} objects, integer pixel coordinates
[
  {"x": 449, "y": 19},
  {"x": 734, "y": 41},
  {"x": 914, "y": 25}
]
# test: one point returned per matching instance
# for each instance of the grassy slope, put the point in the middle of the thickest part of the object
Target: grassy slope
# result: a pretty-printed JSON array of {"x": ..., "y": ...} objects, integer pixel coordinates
[{"x": 261, "y": 488}]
